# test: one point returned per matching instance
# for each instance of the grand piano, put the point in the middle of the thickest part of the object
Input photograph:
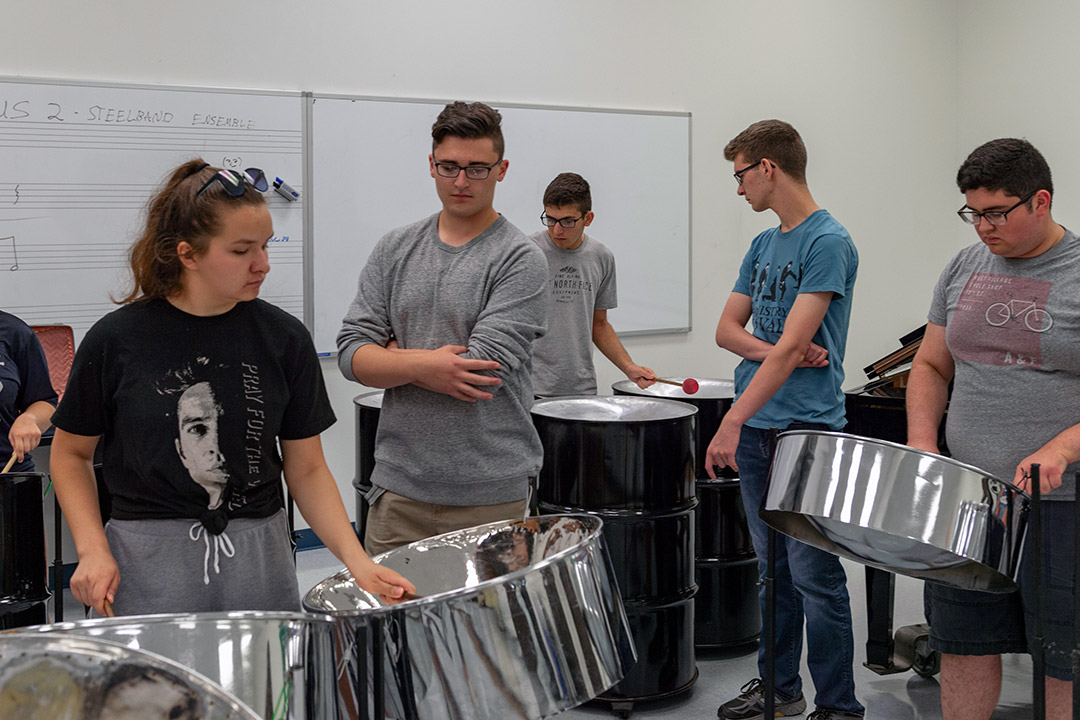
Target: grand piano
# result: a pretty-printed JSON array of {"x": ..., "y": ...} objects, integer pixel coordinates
[{"x": 877, "y": 410}]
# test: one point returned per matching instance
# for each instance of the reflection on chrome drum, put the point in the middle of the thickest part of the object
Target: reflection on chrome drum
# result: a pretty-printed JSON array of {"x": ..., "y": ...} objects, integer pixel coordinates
[
  {"x": 279, "y": 664},
  {"x": 79, "y": 678},
  {"x": 517, "y": 619},
  {"x": 898, "y": 509}
]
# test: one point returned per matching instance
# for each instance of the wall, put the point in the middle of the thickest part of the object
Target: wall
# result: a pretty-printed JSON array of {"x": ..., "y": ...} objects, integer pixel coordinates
[{"x": 872, "y": 86}]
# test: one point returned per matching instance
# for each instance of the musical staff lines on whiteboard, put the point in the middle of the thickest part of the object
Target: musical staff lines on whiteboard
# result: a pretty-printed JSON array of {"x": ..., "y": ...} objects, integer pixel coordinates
[
  {"x": 81, "y": 196},
  {"x": 47, "y": 256},
  {"x": 196, "y": 141},
  {"x": 14, "y": 251}
]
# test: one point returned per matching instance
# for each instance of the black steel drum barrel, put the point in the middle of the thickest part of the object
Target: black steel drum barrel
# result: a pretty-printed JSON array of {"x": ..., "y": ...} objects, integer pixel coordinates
[
  {"x": 630, "y": 461},
  {"x": 23, "y": 566},
  {"x": 368, "y": 408},
  {"x": 726, "y": 610}
]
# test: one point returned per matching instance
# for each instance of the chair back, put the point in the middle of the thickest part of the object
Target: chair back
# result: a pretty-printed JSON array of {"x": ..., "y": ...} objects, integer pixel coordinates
[{"x": 58, "y": 342}]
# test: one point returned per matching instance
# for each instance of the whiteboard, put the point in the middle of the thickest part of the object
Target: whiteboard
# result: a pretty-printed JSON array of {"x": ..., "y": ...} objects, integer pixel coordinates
[
  {"x": 369, "y": 174},
  {"x": 80, "y": 162}
]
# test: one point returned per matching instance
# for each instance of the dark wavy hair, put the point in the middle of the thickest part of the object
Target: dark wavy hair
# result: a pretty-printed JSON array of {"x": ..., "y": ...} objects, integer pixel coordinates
[
  {"x": 569, "y": 189},
  {"x": 1008, "y": 164},
  {"x": 470, "y": 121},
  {"x": 177, "y": 213}
]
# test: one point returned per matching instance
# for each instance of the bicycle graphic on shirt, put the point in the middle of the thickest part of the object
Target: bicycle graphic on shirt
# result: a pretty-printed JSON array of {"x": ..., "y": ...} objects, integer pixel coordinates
[{"x": 1036, "y": 318}]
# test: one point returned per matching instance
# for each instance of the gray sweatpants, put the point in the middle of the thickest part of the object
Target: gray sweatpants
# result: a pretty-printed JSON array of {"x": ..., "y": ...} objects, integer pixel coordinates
[{"x": 175, "y": 566}]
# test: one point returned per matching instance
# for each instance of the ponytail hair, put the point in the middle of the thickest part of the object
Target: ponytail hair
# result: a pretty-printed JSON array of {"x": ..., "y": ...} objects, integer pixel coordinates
[{"x": 179, "y": 212}]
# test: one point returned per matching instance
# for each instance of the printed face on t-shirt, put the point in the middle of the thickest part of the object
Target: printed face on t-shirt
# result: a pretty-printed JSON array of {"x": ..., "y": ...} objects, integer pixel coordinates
[{"x": 198, "y": 446}]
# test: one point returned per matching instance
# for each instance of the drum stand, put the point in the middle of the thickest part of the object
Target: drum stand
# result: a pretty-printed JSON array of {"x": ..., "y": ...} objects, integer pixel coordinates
[
  {"x": 1038, "y": 656},
  {"x": 1076, "y": 606},
  {"x": 58, "y": 562}
]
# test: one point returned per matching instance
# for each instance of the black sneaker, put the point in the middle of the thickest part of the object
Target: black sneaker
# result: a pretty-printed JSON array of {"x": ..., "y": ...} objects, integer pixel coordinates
[
  {"x": 827, "y": 714},
  {"x": 750, "y": 705}
]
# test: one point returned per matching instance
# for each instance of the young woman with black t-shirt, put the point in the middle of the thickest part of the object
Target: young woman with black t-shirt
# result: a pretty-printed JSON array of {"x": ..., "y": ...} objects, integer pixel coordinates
[{"x": 194, "y": 385}]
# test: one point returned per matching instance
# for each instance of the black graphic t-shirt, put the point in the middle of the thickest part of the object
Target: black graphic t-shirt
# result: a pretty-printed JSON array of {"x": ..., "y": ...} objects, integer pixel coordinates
[{"x": 191, "y": 408}]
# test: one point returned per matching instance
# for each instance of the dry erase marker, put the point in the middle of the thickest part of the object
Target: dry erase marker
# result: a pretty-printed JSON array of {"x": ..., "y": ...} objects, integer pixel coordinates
[{"x": 284, "y": 190}]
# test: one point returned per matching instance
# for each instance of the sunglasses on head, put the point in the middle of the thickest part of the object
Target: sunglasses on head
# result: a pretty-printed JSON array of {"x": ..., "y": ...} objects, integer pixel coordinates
[{"x": 234, "y": 181}]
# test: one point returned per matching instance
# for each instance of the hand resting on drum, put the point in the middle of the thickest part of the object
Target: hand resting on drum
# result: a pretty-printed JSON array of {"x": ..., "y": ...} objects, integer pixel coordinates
[{"x": 388, "y": 584}]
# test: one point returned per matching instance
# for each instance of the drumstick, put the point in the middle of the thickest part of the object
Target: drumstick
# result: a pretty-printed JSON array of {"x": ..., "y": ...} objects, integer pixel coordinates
[
  {"x": 9, "y": 464},
  {"x": 108, "y": 609},
  {"x": 689, "y": 385}
]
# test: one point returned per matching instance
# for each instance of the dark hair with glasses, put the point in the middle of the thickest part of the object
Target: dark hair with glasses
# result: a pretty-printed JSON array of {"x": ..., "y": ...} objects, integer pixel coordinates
[
  {"x": 1011, "y": 165},
  {"x": 469, "y": 121},
  {"x": 569, "y": 189},
  {"x": 187, "y": 208},
  {"x": 773, "y": 139}
]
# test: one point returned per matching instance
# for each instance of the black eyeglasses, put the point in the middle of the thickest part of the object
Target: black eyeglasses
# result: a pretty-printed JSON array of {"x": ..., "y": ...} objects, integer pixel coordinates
[
  {"x": 234, "y": 181},
  {"x": 566, "y": 222},
  {"x": 738, "y": 175},
  {"x": 473, "y": 172},
  {"x": 994, "y": 217}
]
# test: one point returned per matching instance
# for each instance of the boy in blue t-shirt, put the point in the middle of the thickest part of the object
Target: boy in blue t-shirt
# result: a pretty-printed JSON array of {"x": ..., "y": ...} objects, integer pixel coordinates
[{"x": 796, "y": 283}]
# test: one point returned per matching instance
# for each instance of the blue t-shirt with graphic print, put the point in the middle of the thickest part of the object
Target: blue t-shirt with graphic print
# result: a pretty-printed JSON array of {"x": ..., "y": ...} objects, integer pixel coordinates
[{"x": 816, "y": 256}]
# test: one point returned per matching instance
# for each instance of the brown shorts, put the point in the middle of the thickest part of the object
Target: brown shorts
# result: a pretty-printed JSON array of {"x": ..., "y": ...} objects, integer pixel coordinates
[{"x": 395, "y": 520}]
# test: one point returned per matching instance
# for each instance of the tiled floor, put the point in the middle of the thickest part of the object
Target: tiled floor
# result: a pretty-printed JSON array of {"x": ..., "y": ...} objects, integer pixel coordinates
[{"x": 903, "y": 696}]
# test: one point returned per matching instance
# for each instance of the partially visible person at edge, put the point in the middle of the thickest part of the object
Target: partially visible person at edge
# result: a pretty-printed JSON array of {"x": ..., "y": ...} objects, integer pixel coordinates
[
  {"x": 1003, "y": 328},
  {"x": 796, "y": 283},
  {"x": 581, "y": 289},
  {"x": 445, "y": 316},
  {"x": 192, "y": 385},
  {"x": 27, "y": 397}
]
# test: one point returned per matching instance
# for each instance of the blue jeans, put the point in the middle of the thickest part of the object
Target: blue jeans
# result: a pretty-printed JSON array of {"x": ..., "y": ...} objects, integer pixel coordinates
[{"x": 809, "y": 583}]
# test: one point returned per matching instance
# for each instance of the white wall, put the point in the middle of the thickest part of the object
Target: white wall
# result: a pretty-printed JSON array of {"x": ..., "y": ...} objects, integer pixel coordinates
[{"x": 872, "y": 86}]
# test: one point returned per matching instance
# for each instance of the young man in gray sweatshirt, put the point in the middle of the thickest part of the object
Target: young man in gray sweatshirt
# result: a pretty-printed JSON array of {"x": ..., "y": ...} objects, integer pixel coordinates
[{"x": 444, "y": 318}]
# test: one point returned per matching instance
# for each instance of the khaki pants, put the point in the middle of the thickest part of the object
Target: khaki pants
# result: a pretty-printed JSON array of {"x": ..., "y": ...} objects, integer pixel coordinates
[{"x": 395, "y": 520}]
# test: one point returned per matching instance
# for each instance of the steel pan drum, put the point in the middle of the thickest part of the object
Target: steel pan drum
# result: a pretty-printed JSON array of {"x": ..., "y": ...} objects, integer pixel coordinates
[
  {"x": 77, "y": 678},
  {"x": 518, "y": 619},
  {"x": 22, "y": 542},
  {"x": 368, "y": 409},
  {"x": 713, "y": 399},
  {"x": 899, "y": 509},
  {"x": 279, "y": 664}
]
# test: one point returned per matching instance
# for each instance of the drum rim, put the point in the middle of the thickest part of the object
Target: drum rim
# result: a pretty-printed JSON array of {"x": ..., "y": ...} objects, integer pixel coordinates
[
  {"x": 595, "y": 535},
  {"x": 910, "y": 449},
  {"x": 686, "y": 409}
]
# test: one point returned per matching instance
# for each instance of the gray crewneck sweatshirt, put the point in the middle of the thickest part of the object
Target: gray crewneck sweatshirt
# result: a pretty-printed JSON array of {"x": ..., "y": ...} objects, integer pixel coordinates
[{"x": 487, "y": 295}]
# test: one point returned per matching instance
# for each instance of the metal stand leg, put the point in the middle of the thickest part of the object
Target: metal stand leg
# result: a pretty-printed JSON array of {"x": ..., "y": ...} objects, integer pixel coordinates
[
  {"x": 58, "y": 562},
  {"x": 1076, "y": 607},
  {"x": 1038, "y": 657}
]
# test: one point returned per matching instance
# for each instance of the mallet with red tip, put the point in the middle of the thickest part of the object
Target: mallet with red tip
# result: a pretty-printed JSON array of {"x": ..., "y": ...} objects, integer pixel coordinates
[{"x": 689, "y": 385}]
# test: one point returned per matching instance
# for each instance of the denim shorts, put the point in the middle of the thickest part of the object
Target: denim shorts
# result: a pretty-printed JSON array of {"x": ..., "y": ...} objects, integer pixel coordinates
[{"x": 969, "y": 622}]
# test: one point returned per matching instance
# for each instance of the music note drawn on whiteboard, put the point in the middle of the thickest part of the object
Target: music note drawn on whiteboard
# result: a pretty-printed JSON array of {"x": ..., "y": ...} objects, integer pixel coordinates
[{"x": 14, "y": 251}]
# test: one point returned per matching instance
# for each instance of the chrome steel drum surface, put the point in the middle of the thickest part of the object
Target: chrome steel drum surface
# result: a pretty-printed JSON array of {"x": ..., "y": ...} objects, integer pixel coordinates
[
  {"x": 896, "y": 508},
  {"x": 518, "y": 619},
  {"x": 708, "y": 389},
  {"x": 280, "y": 664},
  {"x": 78, "y": 678}
]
